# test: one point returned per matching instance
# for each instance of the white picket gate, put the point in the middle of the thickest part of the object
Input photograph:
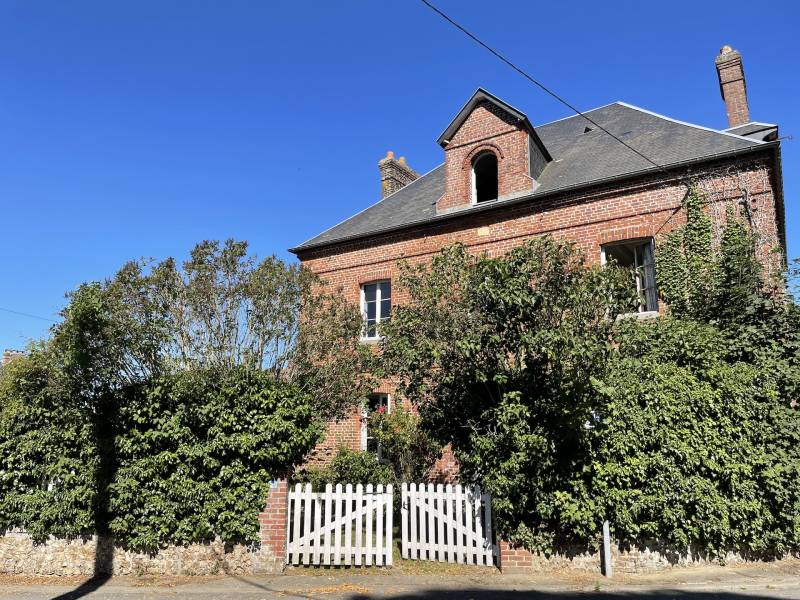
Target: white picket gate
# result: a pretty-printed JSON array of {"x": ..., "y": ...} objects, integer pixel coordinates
[
  {"x": 340, "y": 526},
  {"x": 447, "y": 524}
]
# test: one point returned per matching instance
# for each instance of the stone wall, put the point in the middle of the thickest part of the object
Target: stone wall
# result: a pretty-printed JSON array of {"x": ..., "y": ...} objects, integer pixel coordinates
[
  {"x": 628, "y": 560},
  {"x": 89, "y": 556},
  {"x": 96, "y": 555}
]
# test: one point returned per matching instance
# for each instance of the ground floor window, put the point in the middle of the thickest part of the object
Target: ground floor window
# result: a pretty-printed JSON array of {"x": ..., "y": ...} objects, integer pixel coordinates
[
  {"x": 375, "y": 403},
  {"x": 638, "y": 256}
]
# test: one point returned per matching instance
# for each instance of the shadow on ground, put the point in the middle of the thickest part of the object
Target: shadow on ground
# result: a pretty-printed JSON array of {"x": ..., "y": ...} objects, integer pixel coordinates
[{"x": 471, "y": 593}]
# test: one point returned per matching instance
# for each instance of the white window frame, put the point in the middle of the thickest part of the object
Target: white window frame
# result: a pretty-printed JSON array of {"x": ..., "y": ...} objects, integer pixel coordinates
[
  {"x": 379, "y": 318},
  {"x": 365, "y": 421},
  {"x": 641, "y": 312}
]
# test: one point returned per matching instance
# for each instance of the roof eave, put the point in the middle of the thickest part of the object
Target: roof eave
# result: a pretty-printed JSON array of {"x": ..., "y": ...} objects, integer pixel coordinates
[{"x": 504, "y": 203}]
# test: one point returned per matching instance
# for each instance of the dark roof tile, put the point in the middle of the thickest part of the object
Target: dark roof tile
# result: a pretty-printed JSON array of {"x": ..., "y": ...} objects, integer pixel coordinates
[{"x": 579, "y": 158}]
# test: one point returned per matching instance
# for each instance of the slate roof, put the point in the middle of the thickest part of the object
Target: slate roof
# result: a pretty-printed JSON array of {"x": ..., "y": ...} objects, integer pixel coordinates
[
  {"x": 580, "y": 158},
  {"x": 755, "y": 130}
]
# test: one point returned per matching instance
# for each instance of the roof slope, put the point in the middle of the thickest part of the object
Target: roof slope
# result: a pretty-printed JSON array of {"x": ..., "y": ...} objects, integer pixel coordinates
[{"x": 579, "y": 158}]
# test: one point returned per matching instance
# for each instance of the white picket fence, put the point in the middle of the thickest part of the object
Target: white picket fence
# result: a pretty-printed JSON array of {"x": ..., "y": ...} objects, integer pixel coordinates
[
  {"x": 341, "y": 526},
  {"x": 447, "y": 524}
]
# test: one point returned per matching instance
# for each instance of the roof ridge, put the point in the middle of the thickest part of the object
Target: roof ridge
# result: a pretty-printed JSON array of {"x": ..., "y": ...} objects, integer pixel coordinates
[{"x": 686, "y": 123}]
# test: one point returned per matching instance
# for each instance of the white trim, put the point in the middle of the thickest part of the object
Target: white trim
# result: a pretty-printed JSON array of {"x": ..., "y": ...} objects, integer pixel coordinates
[
  {"x": 365, "y": 417},
  {"x": 768, "y": 125},
  {"x": 636, "y": 242},
  {"x": 655, "y": 114},
  {"x": 378, "y": 315}
]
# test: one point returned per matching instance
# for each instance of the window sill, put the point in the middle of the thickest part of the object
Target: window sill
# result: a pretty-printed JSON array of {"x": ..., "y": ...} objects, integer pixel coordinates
[
  {"x": 374, "y": 340},
  {"x": 646, "y": 315}
]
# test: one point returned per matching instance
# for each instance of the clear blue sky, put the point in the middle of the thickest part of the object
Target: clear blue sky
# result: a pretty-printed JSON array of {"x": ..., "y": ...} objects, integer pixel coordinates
[{"x": 137, "y": 128}]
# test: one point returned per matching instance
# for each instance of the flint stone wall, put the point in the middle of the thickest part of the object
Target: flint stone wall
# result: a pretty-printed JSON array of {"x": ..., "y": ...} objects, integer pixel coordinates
[
  {"x": 89, "y": 556},
  {"x": 629, "y": 560}
]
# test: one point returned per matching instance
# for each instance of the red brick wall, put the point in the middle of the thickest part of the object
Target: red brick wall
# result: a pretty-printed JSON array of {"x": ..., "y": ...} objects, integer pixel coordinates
[
  {"x": 488, "y": 128},
  {"x": 648, "y": 206}
]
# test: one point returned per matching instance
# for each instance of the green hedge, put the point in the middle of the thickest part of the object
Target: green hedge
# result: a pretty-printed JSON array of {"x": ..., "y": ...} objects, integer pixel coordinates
[
  {"x": 191, "y": 455},
  {"x": 693, "y": 450},
  {"x": 197, "y": 452},
  {"x": 48, "y": 453}
]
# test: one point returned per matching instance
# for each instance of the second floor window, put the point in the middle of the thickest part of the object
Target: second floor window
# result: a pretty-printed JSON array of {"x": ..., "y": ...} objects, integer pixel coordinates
[
  {"x": 376, "y": 306},
  {"x": 638, "y": 257}
]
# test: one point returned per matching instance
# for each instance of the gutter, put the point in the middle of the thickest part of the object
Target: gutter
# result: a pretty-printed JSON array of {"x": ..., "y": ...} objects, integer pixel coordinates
[{"x": 498, "y": 204}]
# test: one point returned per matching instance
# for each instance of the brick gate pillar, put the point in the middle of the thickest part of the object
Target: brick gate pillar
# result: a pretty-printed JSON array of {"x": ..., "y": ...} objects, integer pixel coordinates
[
  {"x": 514, "y": 559},
  {"x": 273, "y": 522}
]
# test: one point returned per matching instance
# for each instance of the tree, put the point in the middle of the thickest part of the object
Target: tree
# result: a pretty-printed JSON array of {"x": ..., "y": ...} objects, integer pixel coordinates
[
  {"x": 498, "y": 355},
  {"x": 224, "y": 309},
  {"x": 183, "y": 388},
  {"x": 680, "y": 431}
]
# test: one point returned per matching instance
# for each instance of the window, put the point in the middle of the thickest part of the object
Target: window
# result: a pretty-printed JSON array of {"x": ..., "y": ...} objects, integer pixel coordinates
[
  {"x": 637, "y": 256},
  {"x": 376, "y": 306},
  {"x": 375, "y": 403},
  {"x": 484, "y": 177}
]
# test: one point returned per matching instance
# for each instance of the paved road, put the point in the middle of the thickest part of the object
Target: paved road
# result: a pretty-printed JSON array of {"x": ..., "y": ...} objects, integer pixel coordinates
[{"x": 720, "y": 584}]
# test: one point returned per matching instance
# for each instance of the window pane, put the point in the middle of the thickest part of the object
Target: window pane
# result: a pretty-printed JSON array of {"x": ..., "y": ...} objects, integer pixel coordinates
[
  {"x": 369, "y": 292},
  {"x": 371, "y": 330},
  {"x": 372, "y": 445},
  {"x": 371, "y": 311},
  {"x": 386, "y": 308},
  {"x": 386, "y": 289},
  {"x": 637, "y": 256},
  {"x": 650, "y": 292}
]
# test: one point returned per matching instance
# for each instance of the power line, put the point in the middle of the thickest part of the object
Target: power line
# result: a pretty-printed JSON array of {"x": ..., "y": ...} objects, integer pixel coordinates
[
  {"x": 23, "y": 314},
  {"x": 477, "y": 40}
]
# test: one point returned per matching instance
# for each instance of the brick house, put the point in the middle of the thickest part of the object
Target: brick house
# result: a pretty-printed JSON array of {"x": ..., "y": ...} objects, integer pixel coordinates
[{"x": 504, "y": 180}]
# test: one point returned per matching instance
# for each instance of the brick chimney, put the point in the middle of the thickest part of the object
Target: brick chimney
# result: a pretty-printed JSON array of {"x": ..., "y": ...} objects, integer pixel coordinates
[
  {"x": 732, "y": 86},
  {"x": 395, "y": 174}
]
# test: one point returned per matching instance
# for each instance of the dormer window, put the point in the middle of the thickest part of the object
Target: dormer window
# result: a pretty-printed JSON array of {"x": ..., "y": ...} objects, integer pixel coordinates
[{"x": 484, "y": 178}]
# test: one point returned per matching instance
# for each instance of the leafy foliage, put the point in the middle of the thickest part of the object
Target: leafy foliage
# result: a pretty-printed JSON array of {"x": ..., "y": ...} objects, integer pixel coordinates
[
  {"x": 498, "y": 355},
  {"x": 349, "y": 466},
  {"x": 682, "y": 431},
  {"x": 685, "y": 263},
  {"x": 197, "y": 451},
  {"x": 404, "y": 444},
  {"x": 48, "y": 452},
  {"x": 692, "y": 450},
  {"x": 225, "y": 309},
  {"x": 167, "y": 398}
]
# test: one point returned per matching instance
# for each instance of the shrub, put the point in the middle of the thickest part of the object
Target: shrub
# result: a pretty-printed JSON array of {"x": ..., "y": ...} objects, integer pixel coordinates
[
  {"x": 404, "y": 445},
  {"x": 684, "y": 430},
  {"x": 48, "y": 453},
  {"x": 197, "y": 451},
  {"x": 694, "y": 451},
  {"x": 348, "y": 466}
]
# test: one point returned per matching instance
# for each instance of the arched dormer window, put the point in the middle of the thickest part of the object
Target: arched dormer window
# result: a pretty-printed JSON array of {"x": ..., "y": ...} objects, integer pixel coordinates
[{"x": 484, "y": 177}]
